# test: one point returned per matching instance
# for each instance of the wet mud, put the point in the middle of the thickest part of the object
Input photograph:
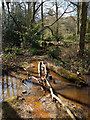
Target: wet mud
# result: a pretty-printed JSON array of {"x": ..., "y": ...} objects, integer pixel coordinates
[{"x": 31, "y": 100}]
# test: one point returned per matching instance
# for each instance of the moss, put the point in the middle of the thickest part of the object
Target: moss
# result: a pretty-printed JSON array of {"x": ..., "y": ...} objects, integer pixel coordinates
[
  {"x": 68, "y": 75},
  {"x": 10, "y": 99}
]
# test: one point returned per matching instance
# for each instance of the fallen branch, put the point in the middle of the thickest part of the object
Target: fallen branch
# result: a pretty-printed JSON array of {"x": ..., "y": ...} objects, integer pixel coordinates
[
  {"x": 41, "y": 69},
  {"x": 52, "y": 93},
  {"x": 72, "y": 77},
  {"x": 58, "y": 99},
  {"x": 54, "y": 96}
]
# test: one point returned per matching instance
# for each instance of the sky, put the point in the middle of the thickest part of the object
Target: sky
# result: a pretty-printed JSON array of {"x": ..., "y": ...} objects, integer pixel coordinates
[
  {"x": 0, "y": 6},
  {"x": 49, "y": 4},
  {"x": 47, "y": 0},
  {"x": 62, "y": 6}
]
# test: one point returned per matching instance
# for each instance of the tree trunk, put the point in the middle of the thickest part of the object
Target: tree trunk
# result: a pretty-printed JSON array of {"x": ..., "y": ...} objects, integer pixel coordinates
[
  {"x": 83, "y": 28},
  {"x": 18, "y": 26},
  {"x": 57, "y": 22},
  {"x": 25, "y": 15},
  {"x": 29, "y": 15},
  {"x": 33, "y": 16},
  {"x": 42, "y": 18},
  {"x": 78, "y": 15}
]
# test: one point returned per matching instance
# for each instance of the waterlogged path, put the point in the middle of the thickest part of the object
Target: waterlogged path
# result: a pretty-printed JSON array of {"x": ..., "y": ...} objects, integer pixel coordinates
[{"x": 11, "y": 85}]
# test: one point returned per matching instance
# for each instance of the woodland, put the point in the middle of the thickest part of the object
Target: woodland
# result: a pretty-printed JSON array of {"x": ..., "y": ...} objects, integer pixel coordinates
[
  {"x": 58, "y": 30},
  {"x": 46, "y": 37}
]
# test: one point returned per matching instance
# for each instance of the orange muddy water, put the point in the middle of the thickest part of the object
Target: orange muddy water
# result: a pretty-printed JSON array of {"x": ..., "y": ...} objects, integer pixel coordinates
[{"x": 11, "y": 85}]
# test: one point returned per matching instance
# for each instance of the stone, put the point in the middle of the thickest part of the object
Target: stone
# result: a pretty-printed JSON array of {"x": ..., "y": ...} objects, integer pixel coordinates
[
  {"x": 50, "y": 77},
  {"x": 24, "y": 92}
]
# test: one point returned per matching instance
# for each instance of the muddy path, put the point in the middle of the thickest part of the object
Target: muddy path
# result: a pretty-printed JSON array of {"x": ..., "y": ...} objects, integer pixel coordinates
[{"x": 32, "y": 101}]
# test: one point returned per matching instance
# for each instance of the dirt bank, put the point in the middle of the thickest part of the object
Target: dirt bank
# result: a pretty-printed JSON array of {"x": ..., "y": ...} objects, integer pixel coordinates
[
  {"x": 43, "y": 106},
  {"x": 19, "y": 109}
]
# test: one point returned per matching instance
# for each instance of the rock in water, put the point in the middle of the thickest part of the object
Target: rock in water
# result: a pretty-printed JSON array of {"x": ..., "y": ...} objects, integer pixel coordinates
[
  {"x": 50, "y": 77},
  {"x": 24, "y": 92}
]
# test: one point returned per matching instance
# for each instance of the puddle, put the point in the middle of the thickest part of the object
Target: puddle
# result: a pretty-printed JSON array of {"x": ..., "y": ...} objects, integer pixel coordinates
[
  {"x": 58, "y": 66},
  {"x": 11, "y": 85},
  {"x": 69, "y": 90}
]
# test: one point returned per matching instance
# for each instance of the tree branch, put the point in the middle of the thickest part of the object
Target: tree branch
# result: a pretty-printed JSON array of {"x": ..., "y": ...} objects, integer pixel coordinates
[
  {"x": 7, "y": 3},
  {"x": 74, "y": 4},
  {"x": 53, "y": 94},
  {"x": 39, "y": 6},
  {"x": 71, "y": 11},
  {"x": 45, "y": 27},
  {"x": 60, "y": 16},
  {"x": 37, "y": 9}
]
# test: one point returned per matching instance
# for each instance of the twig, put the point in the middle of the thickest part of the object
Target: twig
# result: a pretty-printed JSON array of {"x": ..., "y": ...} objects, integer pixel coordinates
[{"x": 59, "y": 100}]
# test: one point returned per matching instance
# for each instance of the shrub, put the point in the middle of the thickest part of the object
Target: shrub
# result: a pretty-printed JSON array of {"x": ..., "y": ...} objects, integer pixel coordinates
[
  {"x": 34, "y": 51},
  {"x": 30, "y": 37},
  {"x": 54, "y": 52}
]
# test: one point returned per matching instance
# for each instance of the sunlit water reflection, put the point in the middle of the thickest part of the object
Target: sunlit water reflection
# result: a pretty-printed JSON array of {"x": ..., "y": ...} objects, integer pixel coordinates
[
  {"x": 70, "y": 90},
  {"x": 11, "y": 85}
]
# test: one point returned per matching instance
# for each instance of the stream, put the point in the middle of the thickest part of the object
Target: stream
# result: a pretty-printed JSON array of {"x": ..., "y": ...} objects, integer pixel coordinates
[{"x": 11, "y": 85}]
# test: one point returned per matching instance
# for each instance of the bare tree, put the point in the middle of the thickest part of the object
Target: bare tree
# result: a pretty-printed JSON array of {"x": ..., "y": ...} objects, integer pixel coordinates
[
  {"x": 33, "y": 16},
  {"x": 19, "y": 28},
  {"x": 83, "y": 9},
  {"x": 57, "y": 22},
  {"x": 42, "y": 18},
  {"x": 78, "y": 18},
  {"x": 29, "y": 14}
]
